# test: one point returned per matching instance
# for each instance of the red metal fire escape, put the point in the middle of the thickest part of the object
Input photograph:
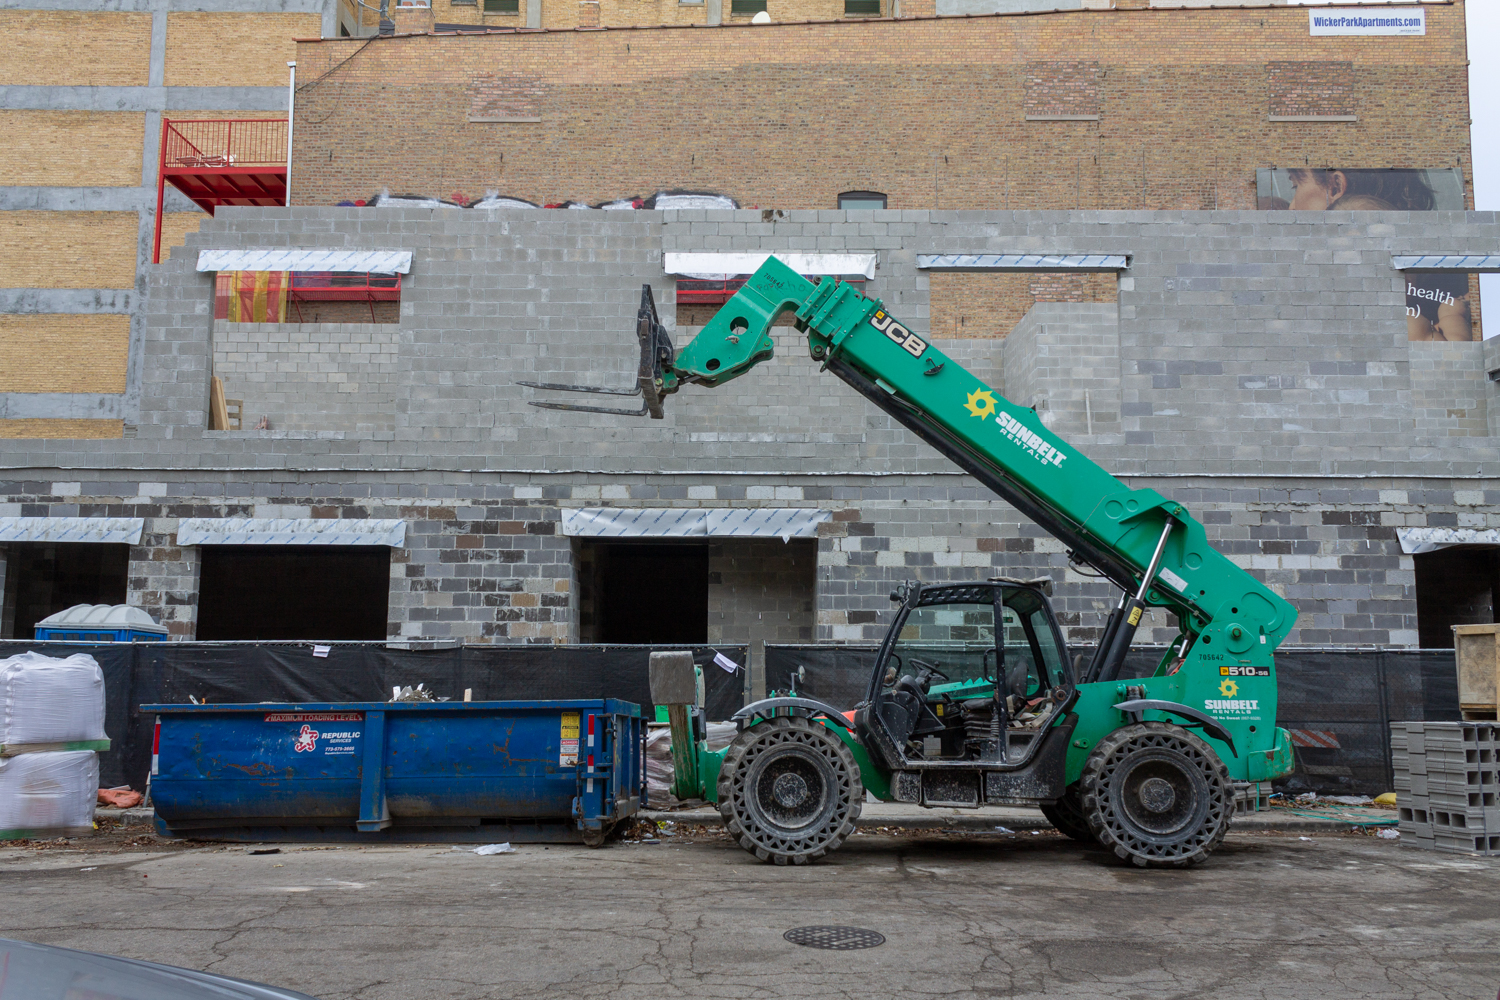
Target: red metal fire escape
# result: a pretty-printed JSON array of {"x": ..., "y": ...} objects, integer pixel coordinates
[{"x": 222, "y": 161}]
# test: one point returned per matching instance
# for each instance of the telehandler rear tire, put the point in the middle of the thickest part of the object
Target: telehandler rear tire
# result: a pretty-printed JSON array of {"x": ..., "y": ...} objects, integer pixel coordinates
[
  {"x": 1157, "y": 794},
  {"x": 789, "y": 791},
  {"x": 1066, "y": 814}
]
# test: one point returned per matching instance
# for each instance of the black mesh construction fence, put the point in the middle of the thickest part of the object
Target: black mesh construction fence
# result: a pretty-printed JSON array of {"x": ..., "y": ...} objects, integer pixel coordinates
[
  {"x": 137, "y": 674},
  {"x": 1338, "y": 704}
]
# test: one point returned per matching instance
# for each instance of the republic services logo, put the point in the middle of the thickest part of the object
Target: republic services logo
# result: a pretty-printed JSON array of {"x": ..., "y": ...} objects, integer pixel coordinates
[{"x": 981, "y": 404}]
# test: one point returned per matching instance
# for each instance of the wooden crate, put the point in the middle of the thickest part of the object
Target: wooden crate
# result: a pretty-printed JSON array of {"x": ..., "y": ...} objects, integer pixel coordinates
[{"x": 1478, "y": 649}]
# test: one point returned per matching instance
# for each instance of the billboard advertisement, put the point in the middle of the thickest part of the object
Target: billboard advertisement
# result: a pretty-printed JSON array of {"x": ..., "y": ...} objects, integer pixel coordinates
[{"x": 1437, "y": 305}]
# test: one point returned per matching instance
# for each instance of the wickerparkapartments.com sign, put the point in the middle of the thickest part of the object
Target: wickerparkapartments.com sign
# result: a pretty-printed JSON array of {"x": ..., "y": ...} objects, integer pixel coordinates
[{"x": 1366, "y": 21}]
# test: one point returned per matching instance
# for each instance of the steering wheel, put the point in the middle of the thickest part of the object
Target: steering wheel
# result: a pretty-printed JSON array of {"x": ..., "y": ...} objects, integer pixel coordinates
[{"x": 926, "y": 672}]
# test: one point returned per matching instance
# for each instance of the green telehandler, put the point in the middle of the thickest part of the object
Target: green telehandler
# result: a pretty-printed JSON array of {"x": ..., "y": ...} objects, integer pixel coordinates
[{"x": 972, "y": 699}]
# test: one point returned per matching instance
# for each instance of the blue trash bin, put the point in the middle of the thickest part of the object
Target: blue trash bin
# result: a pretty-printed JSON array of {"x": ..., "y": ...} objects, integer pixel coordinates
[{"x": 472, "y": 772}]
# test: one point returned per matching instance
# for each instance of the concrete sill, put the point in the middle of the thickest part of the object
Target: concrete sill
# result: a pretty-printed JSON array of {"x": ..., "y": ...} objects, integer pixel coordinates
[
  {"x": 1062, "y": 118},
  {"x": 513, "y": 119},
  {"x": 1312, "y": 118}
]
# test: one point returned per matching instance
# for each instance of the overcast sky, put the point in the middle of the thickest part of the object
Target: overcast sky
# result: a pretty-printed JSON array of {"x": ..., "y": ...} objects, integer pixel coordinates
[{"x": 1484, "y": 113}]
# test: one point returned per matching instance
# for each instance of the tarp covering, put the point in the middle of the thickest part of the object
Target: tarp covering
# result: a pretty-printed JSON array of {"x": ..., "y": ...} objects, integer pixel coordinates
[
  {"x": 358, "y": 261},
  {"x": 290, "y": 531},
  {"x": 1415, "y": 541},
  {"x": 719, "y": 265},
  {"x": 1338, "y": 704},
  {"x": 109, "y": 530},
  {"x": 674, "y": 522},
  {"x": 1022, "y": 262},
  {"x": 174, "y": 672}
]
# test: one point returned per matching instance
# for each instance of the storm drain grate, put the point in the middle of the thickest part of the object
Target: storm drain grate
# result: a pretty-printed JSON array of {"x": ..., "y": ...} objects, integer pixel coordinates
[{"x": 835, "y": 938}]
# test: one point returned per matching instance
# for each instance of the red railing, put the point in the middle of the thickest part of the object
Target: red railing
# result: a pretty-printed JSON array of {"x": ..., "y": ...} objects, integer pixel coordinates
[
  {"x": 222, "y": 143},
  {"x": 222, "y": 161}
]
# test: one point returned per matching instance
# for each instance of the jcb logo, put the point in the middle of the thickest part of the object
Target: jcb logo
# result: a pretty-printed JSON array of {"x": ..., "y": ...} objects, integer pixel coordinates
[{"x": 887, "y": 325}]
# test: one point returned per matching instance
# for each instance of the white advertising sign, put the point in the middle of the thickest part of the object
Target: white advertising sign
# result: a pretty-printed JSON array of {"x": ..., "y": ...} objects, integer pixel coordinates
[{"x": 1366, "y": 21}]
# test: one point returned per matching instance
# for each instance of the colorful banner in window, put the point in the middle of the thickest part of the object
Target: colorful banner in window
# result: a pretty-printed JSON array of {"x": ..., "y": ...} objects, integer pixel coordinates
[
  {"x": 1438, "y": 306},
  {"x": 252, "y": 296}
]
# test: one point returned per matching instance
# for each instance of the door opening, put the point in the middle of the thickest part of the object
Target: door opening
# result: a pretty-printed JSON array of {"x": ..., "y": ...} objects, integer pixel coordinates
[
  {"x": 280, "y": 592},
  {"x": 43, "y": 578},
  {"x": 1455, "y": 586},
  {"x": 650, "y": 593}
]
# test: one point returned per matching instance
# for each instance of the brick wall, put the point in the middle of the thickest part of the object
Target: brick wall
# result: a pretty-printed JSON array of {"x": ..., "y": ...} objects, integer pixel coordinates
[
  {"x": 68, "y": 249},
  {"x": 71, "y": 148},
  {"x": 75, "y": 48},
  {"x": 1311, "y": 88},
  {"x": 1183, "y": 98},
  {"x": 989, "y": 305},
  {"x": 233, "y": 50},
  {"x": 60, "y": 427},
  {"x": 42, "y": 352}
]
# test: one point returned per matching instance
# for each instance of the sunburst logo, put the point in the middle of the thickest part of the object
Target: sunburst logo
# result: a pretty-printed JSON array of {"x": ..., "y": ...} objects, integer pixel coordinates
[
  {"x": 981, "y": 404},
  {"x": 1229, "y": 689}
]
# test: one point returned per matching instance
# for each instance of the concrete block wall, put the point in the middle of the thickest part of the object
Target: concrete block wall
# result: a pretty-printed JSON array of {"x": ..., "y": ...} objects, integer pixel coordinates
[
  {"x": 1449, "y": 389},
  {"x": 484, "y": 562},
  {"x": 1063, "y": 358},
  {"x": 312, "y": 376},
  {"x": 762, "y": 590},
  {"x": 1284, "y": 419}
]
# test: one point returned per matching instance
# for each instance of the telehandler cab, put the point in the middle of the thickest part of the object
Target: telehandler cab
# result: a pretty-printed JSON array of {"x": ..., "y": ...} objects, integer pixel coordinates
[{"x": 973, "y": 699}]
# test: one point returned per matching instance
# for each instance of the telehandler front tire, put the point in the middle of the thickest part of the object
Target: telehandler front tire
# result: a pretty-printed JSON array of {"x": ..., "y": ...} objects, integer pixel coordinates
[
  {"x": 1157, "y": 794},
  {"x": 789, "y": 791}
]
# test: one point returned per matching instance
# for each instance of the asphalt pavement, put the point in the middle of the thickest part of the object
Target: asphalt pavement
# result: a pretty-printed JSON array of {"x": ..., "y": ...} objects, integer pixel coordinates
[{"x": 963, "y": 914}]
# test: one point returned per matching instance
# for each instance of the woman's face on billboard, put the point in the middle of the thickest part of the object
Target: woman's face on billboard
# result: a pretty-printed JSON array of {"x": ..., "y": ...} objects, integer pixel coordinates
[{"x": 1316, "y": 190}]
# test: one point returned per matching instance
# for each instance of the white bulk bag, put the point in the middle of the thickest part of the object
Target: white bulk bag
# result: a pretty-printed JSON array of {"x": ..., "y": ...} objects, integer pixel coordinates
[
  {"x": 47, "y": 700},
  {"x": 49, "y": 791}
]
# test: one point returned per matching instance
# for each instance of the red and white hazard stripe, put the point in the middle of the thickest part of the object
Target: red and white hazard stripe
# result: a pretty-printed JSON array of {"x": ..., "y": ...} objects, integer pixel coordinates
[
  {"x": 1319, "y": 738},
  {"x": 156, "y": 745}
]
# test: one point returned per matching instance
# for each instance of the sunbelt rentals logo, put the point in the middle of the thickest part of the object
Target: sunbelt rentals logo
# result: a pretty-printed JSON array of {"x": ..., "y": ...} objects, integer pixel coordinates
[
  {"x": 982, "y": 404},
  {"x": 1230, "y": 704}
]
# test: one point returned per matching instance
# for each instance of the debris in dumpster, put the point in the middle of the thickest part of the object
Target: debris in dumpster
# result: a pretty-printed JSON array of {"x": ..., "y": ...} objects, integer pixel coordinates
[
  {"x": 409, "y": 693},
  {"x": 488, "y": 849},
  {"x": 1389, "y": 833},
  {"x": 1387, "y": 799}
]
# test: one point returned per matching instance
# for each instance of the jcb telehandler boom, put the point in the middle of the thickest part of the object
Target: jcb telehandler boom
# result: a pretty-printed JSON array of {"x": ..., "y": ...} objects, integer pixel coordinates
[{"x": 972, "y": 699}]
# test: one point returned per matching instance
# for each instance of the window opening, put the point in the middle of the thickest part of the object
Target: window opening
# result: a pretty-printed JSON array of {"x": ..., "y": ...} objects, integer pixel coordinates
[{"x": 862, "y": 199}]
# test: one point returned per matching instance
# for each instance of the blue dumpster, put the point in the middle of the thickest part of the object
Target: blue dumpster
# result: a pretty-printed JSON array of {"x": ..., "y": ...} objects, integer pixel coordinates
[{"x": 476, "y": 772}]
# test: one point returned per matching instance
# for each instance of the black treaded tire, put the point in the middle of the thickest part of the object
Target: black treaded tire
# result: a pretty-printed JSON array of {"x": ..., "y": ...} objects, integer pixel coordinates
[
  {"x": 1157, "y": 794},
  {"x": 789, "y": 791},
  {"x": 1066, "y": 814}
]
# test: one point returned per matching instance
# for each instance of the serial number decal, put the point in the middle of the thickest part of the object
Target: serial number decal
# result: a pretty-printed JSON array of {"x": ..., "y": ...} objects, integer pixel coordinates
[
  {"x": 886, "y": 324},
  {"x": 1245, "y": 671}
]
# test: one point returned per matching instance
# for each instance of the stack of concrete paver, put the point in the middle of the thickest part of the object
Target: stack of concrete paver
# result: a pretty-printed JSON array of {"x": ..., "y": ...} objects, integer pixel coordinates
[{"x": 1448, "y": 785}]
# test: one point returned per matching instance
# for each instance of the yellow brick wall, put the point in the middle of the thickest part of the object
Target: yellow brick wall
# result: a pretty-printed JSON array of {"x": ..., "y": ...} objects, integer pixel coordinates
[
  {"x": 68, "y": 249},
  {"x": 234, "y": 50},
  {"x": 175, "y": 226},
  {"x": 63, "y": 353},
  {"x": 71, "y": 148},
  {"x": 75, "y": 49},
  {"x": 58, "y": 428},
  {"x": 988, "y": 306}
]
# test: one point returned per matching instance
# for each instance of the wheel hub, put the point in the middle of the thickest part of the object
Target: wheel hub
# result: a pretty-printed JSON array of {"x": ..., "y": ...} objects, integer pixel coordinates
[
  {"x": 789, "y": 790},
  {"x": 1157, "y": 795}
]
